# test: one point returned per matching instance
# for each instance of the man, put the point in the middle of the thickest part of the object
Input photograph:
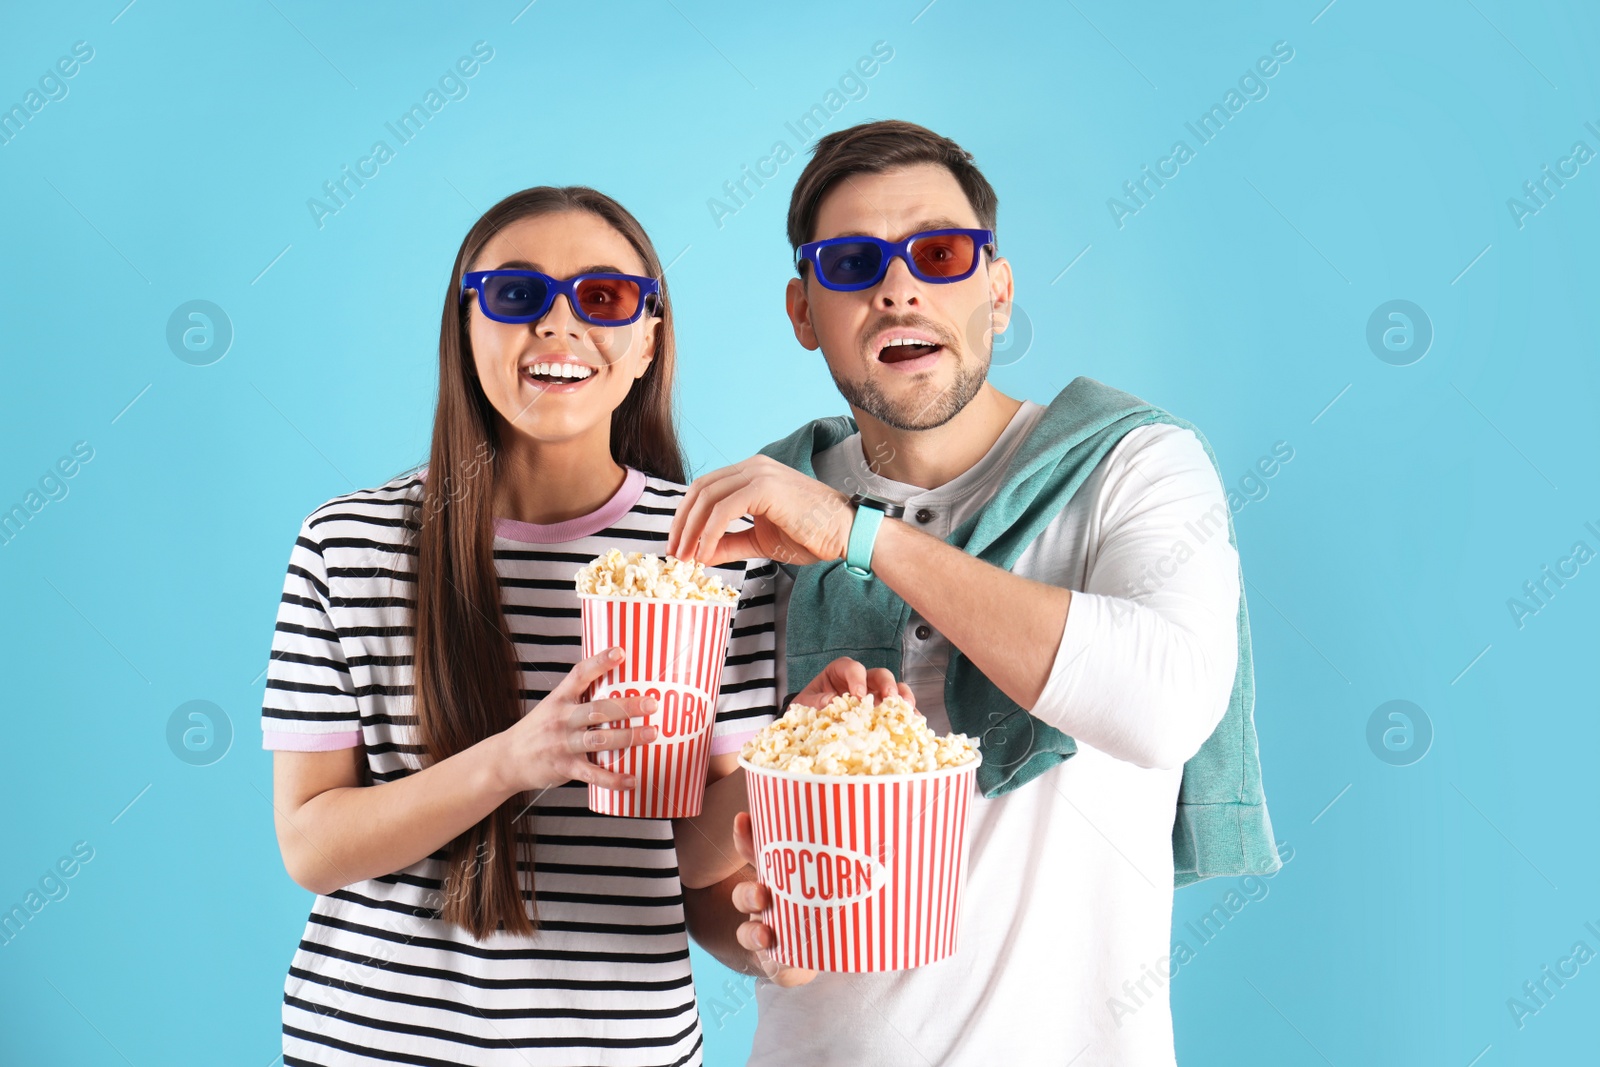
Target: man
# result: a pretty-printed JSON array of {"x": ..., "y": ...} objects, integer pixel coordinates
[{"x": 1061, "y": 583}]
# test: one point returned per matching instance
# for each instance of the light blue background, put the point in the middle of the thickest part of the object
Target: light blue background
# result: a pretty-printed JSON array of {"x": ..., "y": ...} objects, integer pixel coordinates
[{"x": 1381, "y": 559}]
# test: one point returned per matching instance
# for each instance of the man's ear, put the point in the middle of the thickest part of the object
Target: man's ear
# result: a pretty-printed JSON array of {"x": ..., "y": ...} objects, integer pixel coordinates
[
  {"x": 797, "y": 303},
  {"x": 1001, "y": 294}
]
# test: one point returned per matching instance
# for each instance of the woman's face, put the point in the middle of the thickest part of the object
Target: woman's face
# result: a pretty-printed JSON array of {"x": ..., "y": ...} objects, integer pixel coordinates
[{"x": 506, "y": 355}]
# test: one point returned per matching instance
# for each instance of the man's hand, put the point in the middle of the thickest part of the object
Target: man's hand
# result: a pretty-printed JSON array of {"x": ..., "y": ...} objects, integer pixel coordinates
[
  {"x": 752, "y": 898},
  {"x": 797, "y": 519},
  {"x": 848, "y": 677}
]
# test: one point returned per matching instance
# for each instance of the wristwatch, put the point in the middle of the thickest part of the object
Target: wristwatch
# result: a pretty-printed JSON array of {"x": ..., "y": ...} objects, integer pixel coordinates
[{"x": 870, "y": 513}]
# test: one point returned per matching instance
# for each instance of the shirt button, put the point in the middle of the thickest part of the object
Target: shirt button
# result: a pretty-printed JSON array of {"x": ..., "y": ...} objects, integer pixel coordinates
[
  {"x": 924, "y": 516},
  {"x": 924, "y": 631}
]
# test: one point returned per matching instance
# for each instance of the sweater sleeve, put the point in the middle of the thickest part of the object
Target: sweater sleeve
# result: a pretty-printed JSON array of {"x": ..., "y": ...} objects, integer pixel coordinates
[{"x": 1147, "y": 657}]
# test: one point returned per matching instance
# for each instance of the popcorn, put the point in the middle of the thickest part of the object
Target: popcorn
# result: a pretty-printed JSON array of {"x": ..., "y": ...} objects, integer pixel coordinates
[
  {"x": 641, "y": 575},
  {"x": 853, "y": 735}
]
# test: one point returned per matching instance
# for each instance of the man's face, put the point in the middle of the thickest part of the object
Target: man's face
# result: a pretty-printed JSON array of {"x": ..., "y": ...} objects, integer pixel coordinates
[{"x": 909, "y": 387}]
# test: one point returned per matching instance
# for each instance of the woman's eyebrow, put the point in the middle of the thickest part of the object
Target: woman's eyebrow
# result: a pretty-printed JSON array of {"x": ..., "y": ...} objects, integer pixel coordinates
[{"x": 522, "y": 264}]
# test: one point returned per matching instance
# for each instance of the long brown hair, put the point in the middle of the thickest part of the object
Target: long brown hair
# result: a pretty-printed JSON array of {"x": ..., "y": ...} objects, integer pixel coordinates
[{"x": 466, "y": 674}]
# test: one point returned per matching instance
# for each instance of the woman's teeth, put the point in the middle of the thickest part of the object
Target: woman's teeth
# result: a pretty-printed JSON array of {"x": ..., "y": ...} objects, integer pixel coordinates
[{"x": 559, "y": 372}]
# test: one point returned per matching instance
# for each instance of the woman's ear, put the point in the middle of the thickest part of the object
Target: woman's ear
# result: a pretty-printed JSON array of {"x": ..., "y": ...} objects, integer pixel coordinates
[{"x": 648, "y": 356}]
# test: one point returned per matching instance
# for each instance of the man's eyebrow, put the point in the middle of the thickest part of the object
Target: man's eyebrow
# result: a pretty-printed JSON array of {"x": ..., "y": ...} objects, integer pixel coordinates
[
  {"x": 922, "y": 226},
  {"x": 940, "y": 223}
]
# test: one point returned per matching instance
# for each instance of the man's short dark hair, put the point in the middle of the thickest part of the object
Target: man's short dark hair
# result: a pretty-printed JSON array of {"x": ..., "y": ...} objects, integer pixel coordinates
[{"x": 872, "y": 148}]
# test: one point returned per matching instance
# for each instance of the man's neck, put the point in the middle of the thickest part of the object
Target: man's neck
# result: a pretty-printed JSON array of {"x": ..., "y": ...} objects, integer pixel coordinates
[{"x": 931, "y": 458}]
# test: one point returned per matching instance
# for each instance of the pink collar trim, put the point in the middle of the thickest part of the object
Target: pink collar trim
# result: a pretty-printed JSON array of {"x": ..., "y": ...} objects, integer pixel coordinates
[{"x": 607, "y": 515}]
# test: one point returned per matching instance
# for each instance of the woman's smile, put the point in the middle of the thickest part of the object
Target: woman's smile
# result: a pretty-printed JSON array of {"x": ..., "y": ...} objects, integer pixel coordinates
[{"x": 557, "y": 373}]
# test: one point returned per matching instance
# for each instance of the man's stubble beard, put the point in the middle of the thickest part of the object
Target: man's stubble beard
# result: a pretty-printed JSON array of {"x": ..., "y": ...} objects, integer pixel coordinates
[{"x": 912, "y": 414}]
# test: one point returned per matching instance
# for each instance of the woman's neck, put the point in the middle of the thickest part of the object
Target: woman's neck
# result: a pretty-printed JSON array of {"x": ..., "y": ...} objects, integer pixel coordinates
[{"x": 544, "y": 483}]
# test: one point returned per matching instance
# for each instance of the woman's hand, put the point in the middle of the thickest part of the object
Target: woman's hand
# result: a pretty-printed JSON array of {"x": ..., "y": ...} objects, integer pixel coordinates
[
  {"x": 751, "y": 897},
  {"x": 844, "y": 676},
  {"x": 549, "y": 746}
]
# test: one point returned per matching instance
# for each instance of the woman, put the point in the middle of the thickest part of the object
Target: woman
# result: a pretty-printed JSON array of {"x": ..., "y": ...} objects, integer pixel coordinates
[{"x": 425, "y": 704}]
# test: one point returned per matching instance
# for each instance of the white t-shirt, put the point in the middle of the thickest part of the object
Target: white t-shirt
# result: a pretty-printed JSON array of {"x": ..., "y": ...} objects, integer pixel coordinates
[
  {"x": 378, "y": 977},
  {"x": 1069, "y": 879}
]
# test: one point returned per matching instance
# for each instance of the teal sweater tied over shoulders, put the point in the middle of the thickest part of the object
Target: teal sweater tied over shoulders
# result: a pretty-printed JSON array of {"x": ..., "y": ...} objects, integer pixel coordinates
[{"x": 1222, "y": 826}]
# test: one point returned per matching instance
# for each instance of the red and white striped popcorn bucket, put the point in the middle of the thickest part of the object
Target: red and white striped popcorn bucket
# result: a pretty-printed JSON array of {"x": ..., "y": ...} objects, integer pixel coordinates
[
  {"x": 674, "y": 653},
  {"x": 864, "y": 872}
]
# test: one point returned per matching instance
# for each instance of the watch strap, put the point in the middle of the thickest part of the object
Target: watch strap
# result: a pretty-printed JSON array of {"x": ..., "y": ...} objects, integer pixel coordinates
[{"x": 869, "y": 517}]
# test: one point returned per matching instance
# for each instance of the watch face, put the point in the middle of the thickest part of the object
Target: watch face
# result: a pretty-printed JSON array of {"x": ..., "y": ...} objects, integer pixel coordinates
[{"x": 890, "y": 511}]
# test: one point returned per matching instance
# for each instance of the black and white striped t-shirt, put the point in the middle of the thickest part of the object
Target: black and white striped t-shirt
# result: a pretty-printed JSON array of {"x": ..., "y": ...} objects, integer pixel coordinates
[{"x": 378, "y": 977}]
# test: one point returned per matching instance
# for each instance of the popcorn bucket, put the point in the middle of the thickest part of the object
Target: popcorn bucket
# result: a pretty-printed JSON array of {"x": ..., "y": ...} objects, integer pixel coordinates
[
  {"x": 674, "y": 653},
  {"x": 864, "y": 871}
]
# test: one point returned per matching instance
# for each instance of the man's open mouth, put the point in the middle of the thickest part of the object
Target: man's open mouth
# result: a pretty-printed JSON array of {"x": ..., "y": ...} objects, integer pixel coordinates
[{"x": 901, "y": 349}]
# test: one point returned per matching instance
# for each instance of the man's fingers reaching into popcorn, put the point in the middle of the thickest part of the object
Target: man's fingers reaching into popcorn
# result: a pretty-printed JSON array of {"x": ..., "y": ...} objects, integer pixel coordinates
[
  {"x": 848, "y": 677},
  {"x": 795, "y": 519}
]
